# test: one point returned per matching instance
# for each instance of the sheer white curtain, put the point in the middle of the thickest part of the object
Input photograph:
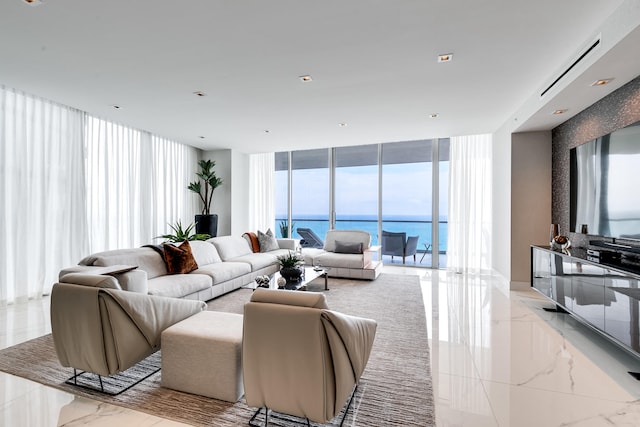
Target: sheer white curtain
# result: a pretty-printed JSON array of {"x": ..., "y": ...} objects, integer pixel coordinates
[
  {"x": 137, "y": 185},
  {"x": 469, "y": 231},
  {"x": 43, "y": 224},
  {"x": 261, "y": 192}
]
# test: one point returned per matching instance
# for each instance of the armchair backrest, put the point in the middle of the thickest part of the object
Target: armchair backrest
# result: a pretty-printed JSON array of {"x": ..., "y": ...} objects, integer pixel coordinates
[
  {"x": 393, "y": 243},
  {"x": 299, "y": 357}
]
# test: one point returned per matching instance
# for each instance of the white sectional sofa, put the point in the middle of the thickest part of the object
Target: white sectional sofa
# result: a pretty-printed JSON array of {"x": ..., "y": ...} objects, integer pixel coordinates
[
  {"x": 224, "y": 263},
  {"x": 348, "y": 253}
]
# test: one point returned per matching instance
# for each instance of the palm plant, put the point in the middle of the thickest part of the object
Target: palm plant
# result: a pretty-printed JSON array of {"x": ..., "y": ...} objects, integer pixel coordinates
[
  {"x": 211, "y": 182},
  {"x": 181, "y": 234}
]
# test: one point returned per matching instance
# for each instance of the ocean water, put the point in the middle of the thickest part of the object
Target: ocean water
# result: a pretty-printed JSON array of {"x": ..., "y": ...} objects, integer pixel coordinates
[{"x": 413, "y": 226}]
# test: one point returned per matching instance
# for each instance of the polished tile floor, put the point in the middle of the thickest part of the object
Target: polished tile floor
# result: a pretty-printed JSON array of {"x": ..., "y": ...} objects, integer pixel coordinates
[{"x": 497, "y": 359}]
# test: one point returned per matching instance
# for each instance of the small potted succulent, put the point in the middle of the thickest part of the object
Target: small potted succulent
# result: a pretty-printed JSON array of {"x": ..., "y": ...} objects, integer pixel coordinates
[{"x": 291, "y": 268}]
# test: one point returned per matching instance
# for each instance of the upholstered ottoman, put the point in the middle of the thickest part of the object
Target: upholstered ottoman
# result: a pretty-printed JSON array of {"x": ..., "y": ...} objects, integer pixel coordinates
[{"x": 201, "y": 355}]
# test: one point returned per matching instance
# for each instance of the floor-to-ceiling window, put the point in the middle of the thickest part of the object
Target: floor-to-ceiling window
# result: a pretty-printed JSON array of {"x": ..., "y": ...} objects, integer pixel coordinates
[
  {"x": 407, "y": 193},
  {"x": 393, "y": 187},
  {"x": 309, "y": 186},
  {"x": 356, "y": 189}
]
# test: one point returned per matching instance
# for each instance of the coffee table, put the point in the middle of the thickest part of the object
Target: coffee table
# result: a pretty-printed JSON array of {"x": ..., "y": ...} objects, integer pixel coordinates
[{"x": 310, "y": 274}]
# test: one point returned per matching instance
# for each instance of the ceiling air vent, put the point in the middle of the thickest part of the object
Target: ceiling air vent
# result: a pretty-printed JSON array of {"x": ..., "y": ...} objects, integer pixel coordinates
[{"x": 576, "y": 62}]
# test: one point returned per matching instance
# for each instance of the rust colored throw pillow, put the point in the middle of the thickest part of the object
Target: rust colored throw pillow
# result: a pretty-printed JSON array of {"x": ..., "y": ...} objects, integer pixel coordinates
[
  {"x": 253, "y": 238},
  {"x": 179, "y": 259}
]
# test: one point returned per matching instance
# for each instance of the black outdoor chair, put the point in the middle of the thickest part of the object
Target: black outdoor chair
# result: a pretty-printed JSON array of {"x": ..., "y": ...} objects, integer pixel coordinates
[
  {"x": 397, "y": 244},
  {"x": 309, "y": 238}
]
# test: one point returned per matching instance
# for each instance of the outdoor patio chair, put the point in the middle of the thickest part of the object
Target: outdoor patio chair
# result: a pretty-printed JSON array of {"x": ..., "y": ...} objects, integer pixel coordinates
[
  {"x": 397, "y": 244},
  {"x": 309, "y": 238}
]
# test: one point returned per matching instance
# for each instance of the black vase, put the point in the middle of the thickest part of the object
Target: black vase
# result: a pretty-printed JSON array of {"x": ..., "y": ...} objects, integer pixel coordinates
[
  {"x": 207, "y": 224},
  {"x": 293, "y": 276}
]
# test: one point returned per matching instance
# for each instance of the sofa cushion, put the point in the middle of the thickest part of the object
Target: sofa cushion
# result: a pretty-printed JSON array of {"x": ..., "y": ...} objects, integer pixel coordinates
[
  {"x": 179, "y": 259},
  {"x": 346, "y": 236},
  {"x": 332, "y": 259},
  {"x": 230, "y": 247},
  {"x": 179, "y": 285},
  {"x": 223, "y": 271},
  {"x": 145, "y": 258},
  {"x": 267, "y": 241},
  {"x": 348, "y": 247},
  {"x": 258, "y": 261},
  {"x": 204, "y": 252}
]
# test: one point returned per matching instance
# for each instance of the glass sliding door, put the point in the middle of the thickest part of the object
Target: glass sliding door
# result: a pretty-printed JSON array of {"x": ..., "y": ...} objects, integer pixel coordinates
[
  {"x": 443, "y": 200},
  {"x": 356, "y": 189},
  {"x": 310, "y": 191},
  {"x": 396, "y": 187},
  {"x": 407, "y": 195},
  {"x": 281, "y": 197}
]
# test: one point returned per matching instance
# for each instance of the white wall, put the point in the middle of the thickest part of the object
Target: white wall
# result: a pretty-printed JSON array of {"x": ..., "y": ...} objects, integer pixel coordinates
[
  {"x": 501, "y": 209},
  {"x": 239, "y": 193},
  {"x": 222, "y": 196}
]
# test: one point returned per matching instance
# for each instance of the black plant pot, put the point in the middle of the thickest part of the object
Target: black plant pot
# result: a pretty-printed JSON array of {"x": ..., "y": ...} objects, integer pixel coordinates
[
  {"x": 293, "y": 276},
  {"x": 207, "y": 224}
]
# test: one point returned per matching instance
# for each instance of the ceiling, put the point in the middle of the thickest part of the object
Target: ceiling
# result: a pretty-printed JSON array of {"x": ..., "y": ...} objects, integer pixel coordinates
[{"x": 373, "y": 63}]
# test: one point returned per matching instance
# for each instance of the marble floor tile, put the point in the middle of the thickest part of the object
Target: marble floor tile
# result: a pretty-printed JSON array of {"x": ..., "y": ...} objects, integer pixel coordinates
[{"x": 497, "y": 359}]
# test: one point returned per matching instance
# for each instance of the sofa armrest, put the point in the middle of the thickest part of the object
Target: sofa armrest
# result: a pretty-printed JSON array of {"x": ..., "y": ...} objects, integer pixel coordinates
[
  {"x": 291, "y": 244},
  {"x": 113, "y": 277},
  {"x": 93, "y": 280}
]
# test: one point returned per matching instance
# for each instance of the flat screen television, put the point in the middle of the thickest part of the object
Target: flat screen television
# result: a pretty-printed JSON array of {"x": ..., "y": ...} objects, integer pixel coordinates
[{"x": 605, "y": 185}]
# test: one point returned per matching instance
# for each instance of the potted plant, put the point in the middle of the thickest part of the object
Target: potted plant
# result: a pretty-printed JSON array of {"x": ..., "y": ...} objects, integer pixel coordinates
[
  {"x": 206, "y": 223},
  {"x": 291, "y": 268},
  {"x": 182, "y": 234}
]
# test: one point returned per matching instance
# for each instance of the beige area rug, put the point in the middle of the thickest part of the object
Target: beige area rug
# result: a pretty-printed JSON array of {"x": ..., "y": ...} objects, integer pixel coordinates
[{"x": 395, "y": 390}]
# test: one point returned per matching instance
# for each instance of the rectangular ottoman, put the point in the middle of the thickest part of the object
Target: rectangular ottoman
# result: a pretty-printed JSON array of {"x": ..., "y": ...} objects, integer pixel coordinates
[{"x": 202, "y": 355}]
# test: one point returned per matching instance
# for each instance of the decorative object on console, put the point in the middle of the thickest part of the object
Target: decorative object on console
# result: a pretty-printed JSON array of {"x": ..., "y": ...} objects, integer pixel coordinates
[
  {"x": 282, "y": 282},
  {"x": 560, "y": 243},
  {"x": 206, "y": 222},
  {"x": 553, "y": 232}
]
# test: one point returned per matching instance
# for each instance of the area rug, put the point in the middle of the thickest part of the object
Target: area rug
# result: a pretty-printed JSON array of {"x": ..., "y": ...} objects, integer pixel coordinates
[{"x": 395, "y": 390}]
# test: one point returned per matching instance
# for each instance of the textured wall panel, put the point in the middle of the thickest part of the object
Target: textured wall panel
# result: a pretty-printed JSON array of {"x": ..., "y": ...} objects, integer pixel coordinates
[{"x": 617, "y": 110}]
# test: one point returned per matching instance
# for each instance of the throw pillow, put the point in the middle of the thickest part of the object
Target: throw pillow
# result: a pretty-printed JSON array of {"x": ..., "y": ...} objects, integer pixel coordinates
[
  {"x": 253, "y": 240},
  {"x": 179, "y": 259},
  {"x": 267, "y": 241},
  {"x": 348, "y": 247}
]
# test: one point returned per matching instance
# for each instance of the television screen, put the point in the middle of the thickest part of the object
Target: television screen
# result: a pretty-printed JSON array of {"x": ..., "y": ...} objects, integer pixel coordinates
[{"x": 605, "y": 185}]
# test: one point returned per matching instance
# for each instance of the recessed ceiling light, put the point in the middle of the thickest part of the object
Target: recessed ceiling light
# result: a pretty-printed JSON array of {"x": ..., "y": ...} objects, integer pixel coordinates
[
  {"x": 433, "y": 115},
  {"x": 560, "y": 111},
  {"x": 306, "y": 78},
  {"x": 266, "y": 131},
  {"x": 116, "y": 107},
  {"x": 198, "y": 93},
  {"x": 445, "y": 57},
  {"x": 601, "y": 82},
  {"x": 343, "y": 125},
  {"x": 33, "y": 2}
]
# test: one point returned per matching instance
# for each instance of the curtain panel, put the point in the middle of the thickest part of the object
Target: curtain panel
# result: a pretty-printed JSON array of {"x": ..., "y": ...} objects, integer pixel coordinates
[
  {"x": 42, "y": 194},
  {"x": 261, "y": 192},
  {"x": 470, "y": 190},
  {"x": 137, "y": 185},
  {"x": 72, "y": 184}
]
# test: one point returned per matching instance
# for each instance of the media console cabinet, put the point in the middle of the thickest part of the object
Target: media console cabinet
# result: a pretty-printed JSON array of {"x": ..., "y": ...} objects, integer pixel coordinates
[{"x": 605, "y": 297}]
